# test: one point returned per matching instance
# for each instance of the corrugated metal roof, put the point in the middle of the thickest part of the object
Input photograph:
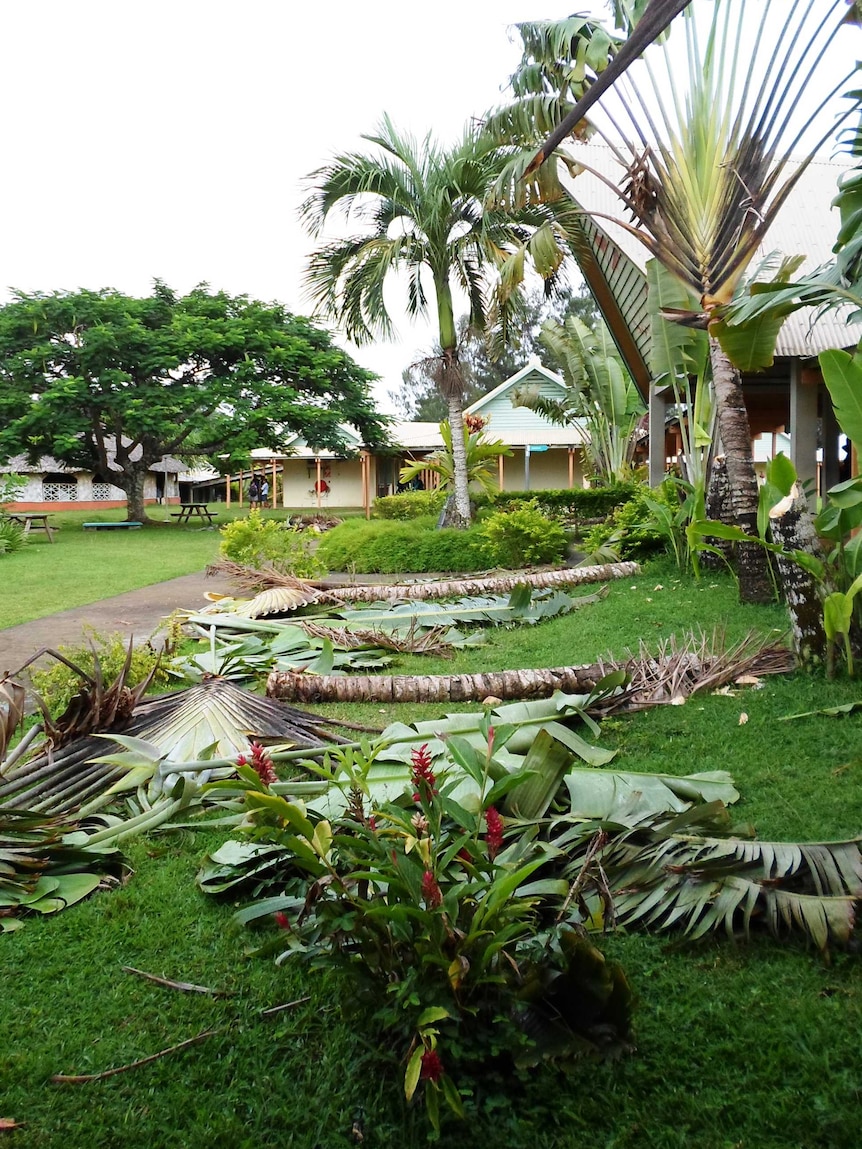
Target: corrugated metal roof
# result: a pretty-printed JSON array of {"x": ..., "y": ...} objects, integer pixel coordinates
[{"x": 806, "y": 225}]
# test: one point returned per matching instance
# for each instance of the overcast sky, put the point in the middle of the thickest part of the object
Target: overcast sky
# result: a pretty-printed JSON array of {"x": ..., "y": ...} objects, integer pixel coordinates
[{"x": 169, "y": 138}]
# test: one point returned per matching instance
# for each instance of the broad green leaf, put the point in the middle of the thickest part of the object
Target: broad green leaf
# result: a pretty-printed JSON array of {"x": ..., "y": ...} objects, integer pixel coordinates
[
  {"x": 842, "y": 374},
  {"x": 432, "y": 1014},
  {"x": 414, "y": 1067}
]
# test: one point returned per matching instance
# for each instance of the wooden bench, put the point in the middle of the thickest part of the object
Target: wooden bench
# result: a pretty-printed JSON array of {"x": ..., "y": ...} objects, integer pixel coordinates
[{"x": 112, "y": 526}]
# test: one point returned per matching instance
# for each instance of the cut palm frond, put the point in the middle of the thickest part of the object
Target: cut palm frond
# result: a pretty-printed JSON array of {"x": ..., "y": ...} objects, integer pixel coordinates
[
  {"x": 215, "y": 719},
  {"x": 666, "y": 877},
  {"x": 12, "y": 699},
  {"x": 42, "y": 871}
]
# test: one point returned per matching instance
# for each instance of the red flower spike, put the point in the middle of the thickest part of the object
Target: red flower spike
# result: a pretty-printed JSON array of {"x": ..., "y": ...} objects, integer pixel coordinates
[
  {"x": 282, "y": 920},
  {"x": 261, "y": 763},
  {"x": 431, "y": 891},
  {"x": 432, "y": 1066},
  {"x": 494, "y": 837},
  {"x": 421, "y": 758}
]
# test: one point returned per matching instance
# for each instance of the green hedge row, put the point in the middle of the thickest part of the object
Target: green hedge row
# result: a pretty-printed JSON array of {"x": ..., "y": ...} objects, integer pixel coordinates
[{"x": 571, "y": 506}]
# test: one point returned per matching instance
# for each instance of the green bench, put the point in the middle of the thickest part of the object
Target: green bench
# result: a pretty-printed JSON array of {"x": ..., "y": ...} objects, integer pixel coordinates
[{"x": 112, "y": 526}]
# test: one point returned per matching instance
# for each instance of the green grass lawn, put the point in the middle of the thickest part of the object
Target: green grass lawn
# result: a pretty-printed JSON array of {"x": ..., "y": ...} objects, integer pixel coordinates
[
  {"x": 738, "y": 1046},
  {"x": 85, "y": 566}
]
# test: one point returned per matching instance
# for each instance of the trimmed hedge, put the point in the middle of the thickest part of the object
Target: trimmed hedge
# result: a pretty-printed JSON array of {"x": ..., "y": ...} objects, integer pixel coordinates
[
  {"x": 574, "y": 507},
  {"x": 409, "y": 505},
  {"x": 378, "y": 546}
]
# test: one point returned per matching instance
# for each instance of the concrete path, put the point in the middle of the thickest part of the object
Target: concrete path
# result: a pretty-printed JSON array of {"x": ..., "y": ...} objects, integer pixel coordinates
[{"x": 138, "y": 612}]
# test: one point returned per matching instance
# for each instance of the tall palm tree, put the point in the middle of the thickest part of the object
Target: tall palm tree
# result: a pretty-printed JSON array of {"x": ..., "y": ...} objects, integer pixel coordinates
[
  {"x": 704, "y": 169},
  {"x": 421, "y": 210}
]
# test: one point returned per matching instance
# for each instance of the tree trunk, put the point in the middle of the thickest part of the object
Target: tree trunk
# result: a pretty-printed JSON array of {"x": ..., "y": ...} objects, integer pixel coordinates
[
  {"x": 791, "y": 528},
  {"x": 459, "y": 515},
  {"x": 433, "y": 687},
  {"x": 755, "y": 584},
  {"x": 676, "y": 673},
  {"x": 719, "y": 509},
  {"x": 134, "y": 488},
  {"x": 463, "y": 588}
]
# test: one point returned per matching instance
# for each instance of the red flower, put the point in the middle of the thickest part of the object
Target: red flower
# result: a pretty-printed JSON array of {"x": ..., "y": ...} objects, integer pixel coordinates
[
  {"x": 432, "y": 1066},
  {"x": 422, "y": 774},
  {"x": 261, "y": 763},
  {"x": 494, "y": 837},
  {"x": 282, "y": 920},
  {"x": 431, "y": 891}
]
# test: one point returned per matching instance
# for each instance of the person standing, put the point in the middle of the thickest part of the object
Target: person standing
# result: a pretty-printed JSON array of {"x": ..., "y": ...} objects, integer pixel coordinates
[
  {"x": 254, "y": 493},
  {"x": 264, "y": 491}
]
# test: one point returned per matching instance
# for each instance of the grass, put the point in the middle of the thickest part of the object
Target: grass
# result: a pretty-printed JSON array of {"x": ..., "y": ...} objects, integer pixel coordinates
[
  {"x": 747, "y": 1046},
  {"x": 85, "y": 566}
]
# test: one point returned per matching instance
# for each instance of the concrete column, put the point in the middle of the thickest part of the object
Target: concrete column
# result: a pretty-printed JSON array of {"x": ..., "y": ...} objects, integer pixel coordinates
[
  {"x": 527, "y": 467},
  {"x": 657, "y": 414},
  {"x": 803, "y": 429}
]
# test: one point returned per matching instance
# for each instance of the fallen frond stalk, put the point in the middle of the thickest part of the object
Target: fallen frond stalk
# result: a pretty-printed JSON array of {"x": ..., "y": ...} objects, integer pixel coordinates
[
  {"x": 82, "y": 1078},
  {"x": 274, "y": 1009},
  {"x": 182, "y": 986}
]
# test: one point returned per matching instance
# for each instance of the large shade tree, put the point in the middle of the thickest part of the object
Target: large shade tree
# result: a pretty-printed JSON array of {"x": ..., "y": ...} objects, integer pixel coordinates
[
  {"x": 111, "y": 383},
  {"x": 421, "y": 212},
  {"x": 707, "y": 159}
]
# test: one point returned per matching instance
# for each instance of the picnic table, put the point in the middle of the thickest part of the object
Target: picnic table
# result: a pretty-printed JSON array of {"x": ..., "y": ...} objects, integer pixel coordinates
[
  {"x": 188, "y": 511},
  {"x": 32, "y": 521}
]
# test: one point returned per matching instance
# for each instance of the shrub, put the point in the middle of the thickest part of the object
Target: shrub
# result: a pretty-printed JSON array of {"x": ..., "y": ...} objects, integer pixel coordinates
[
  {"x": 523, "y": 537},
  {"x": 58, "y": 684},
  {"x": 409, "y": 505},
  {"x": 632, "y": 530},
  {"x": 256, "y": 542},
  {"x": 461, "y": 965},
  {"x": 572, "y": 507},
  {"x": 12, "y": 537},
  {"x": 387, "y": 547}
]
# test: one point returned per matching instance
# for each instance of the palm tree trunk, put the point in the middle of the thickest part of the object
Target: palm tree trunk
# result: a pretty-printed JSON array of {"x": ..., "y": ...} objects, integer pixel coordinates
[
  {"x": 452, "y": 386},
  {"x": 464, "y": 588},
  {"x": 755, "y": 584}
]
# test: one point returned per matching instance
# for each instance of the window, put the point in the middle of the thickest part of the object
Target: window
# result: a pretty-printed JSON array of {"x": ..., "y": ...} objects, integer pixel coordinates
[{"x": 59, "y": 487}]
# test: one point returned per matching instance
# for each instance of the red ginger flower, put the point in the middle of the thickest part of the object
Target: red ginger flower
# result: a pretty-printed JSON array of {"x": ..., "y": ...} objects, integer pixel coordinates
[
  {"x": 282, "y": 920},
  {"x": 421, "y": 773},
  {"x": 260, "y": 762},
  {"x": 431, "y": 891},
  {"x": 432, "y": 1066},
  {"x": 494, "y": 837}
]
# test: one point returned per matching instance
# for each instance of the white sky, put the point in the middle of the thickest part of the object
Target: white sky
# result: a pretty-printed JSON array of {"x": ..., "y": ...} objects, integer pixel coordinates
[{"x": 168, "y": 138}]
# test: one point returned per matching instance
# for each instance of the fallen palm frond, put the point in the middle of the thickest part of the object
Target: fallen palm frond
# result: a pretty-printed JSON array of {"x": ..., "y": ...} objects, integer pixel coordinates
[
  {"x": 677, "y": 874},
  {"x": 253, "y": 580},
  {"x": 522, "y": 605},
  {"x": 43, "y": 867},
  {"x": 679, "y": 670},
  {"x": 215, "y": 719},
  {"x": 417, "y": 640},
  {"x": 12, "y": 698}
]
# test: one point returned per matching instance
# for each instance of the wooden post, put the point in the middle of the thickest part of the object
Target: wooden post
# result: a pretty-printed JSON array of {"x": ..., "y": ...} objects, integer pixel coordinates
[
  {"x": 317, "y": 484},
  {"x": 500, "y": 471},
  {"x": 240, "y": 486},
  {"x": 227, "y": 488},
  {"x": 365, "y": 472},
  {"x": 571, "y": 467},
  {"x": 273, "y": 484}
]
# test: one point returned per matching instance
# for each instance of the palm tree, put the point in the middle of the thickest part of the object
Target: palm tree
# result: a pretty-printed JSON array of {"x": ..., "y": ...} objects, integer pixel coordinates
[
  {"x": 705, "y": 170},
  {"x": 422, "y": 213}
]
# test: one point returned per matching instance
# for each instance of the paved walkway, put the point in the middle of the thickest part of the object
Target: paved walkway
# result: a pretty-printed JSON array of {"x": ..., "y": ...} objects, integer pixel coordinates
[{"x": 138, "y": 613}]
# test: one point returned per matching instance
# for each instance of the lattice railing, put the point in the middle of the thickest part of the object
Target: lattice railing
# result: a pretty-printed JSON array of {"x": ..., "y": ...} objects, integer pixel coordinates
[{"x": 60, "y": 492}]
